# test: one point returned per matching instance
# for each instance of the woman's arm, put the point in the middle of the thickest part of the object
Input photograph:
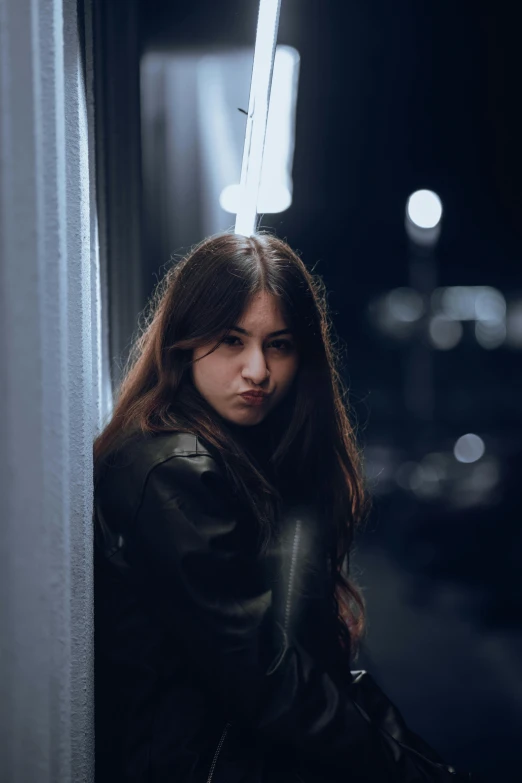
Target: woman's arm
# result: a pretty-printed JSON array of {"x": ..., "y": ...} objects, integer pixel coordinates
[{"x": 200, "y": 574}]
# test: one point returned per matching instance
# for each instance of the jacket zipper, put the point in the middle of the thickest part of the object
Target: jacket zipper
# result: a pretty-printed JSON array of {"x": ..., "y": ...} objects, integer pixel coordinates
[
  {"x": 218, "y": 751},
  {"x": 295, "y": 549},
  {"x": 286, "y": 620},
  {"x": 291, "y": 578}
]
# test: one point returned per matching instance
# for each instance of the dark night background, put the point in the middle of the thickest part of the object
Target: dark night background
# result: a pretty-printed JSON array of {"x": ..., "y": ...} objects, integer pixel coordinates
[{"x": 393, "y": 97}]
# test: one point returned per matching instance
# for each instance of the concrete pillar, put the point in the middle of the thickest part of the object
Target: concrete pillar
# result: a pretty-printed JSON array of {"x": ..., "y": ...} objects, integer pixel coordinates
[{"x": 53, "y": 394}]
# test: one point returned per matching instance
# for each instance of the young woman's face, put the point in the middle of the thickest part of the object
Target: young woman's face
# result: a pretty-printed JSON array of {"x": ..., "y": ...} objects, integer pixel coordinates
[{"x": 259, "y": 355}]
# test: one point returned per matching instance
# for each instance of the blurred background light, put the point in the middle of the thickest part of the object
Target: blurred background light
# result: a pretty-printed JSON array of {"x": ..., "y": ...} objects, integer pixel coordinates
[
  {"x": 397, "y": 312},
  {"x": 404, "y": 473},
  {"x": 193, "y": 137},
  {"x": 257, "y": 116},
  {"x": 469, "y": 448},
  {"x": 460, "y": 483},
  {"x": 470, "y": 303},
  {"x": 422, "y": 478},
  {"x": 271, "y": 199},
  {"x": 477, "y": 483},
  {"x": 490, "y": 334},
  {"x": 439, "y": 461},
  {"x": 490, "y": 304},
  {"x": 458, "y": 302},
  {"x": 424, "y": 209},
  {"x": 485, "y": 475},
  {"x": 405, "y": 304},
  {"x": 425, "y": 481},
  {"x": 445, "y": 333},
  {"x": 275, "y": 188}
]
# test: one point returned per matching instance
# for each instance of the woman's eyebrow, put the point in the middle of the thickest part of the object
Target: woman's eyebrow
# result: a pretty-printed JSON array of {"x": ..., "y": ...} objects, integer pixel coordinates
[{"x": 272, "y": 334}]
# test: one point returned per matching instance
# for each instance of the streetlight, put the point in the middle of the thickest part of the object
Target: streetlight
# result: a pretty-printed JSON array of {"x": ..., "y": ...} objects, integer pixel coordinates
[{"x": 423, "y": 217}]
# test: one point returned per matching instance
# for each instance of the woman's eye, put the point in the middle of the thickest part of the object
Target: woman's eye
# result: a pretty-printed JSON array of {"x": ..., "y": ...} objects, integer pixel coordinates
[
  {"x": 230, "y": 340},
  {"x": 279, "y": 345},
  {"x": 282, "y": 345}
]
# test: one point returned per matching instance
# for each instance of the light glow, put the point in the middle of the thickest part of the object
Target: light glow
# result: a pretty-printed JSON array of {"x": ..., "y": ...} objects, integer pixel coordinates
[
  {"x": 445, "y": 333},
  {"x": 270, "y": 199},
  {"x": 469, "y": 448},
  {"x": 471, "y": 303},
  {"x": 424, "y": 209},
  {"x": 405, "y": 304},
  {"x": 490, "y": 334},
  {"x": 275, "y": 188},
  {"x": 490, "y": 305},
  {"x": 264, "y": 54}
]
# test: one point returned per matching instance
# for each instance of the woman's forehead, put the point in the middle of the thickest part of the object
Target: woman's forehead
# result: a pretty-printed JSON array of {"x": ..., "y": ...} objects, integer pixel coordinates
[{"x": 263, "y": 308}]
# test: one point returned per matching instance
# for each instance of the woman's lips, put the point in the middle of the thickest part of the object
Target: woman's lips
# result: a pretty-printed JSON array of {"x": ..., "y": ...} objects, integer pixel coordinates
[{"x": 255, "y": 399}]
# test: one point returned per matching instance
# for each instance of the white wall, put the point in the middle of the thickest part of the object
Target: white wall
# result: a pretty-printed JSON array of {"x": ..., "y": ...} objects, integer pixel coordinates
[{"x": 52, "y": 398}]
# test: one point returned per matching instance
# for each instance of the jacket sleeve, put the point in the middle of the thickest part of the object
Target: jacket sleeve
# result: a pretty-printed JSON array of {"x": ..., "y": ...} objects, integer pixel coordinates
[{"x": 208, "y": 584}]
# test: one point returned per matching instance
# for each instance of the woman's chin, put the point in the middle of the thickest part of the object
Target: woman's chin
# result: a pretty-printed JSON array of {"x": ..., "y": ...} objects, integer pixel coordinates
[{"x": 246, "y": 417}]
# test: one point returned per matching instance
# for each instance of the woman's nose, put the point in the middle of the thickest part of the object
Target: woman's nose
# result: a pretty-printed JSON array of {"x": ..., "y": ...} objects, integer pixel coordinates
[{"x": 255, "y": 367}]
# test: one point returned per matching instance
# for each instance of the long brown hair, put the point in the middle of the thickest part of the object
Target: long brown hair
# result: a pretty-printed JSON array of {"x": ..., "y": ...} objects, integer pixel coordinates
[{"x": 196, "y": 303}]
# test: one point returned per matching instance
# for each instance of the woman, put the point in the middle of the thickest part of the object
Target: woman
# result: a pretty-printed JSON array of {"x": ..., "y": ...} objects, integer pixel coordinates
[{"x": 227, "y": 491}]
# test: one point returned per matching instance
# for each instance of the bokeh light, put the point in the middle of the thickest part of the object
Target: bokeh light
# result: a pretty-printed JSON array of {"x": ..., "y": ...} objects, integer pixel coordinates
[
  {"x": 469, "y": 448},
  {"x": 424, "y": 209},
  {"x": 445, "y": 333},
  {"x": 405, "y": 304},
  {"x": 490, "y": 334}
]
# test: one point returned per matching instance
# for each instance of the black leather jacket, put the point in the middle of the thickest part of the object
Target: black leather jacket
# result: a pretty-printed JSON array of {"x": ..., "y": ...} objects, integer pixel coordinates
[{"x": 214, "y": 664}]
